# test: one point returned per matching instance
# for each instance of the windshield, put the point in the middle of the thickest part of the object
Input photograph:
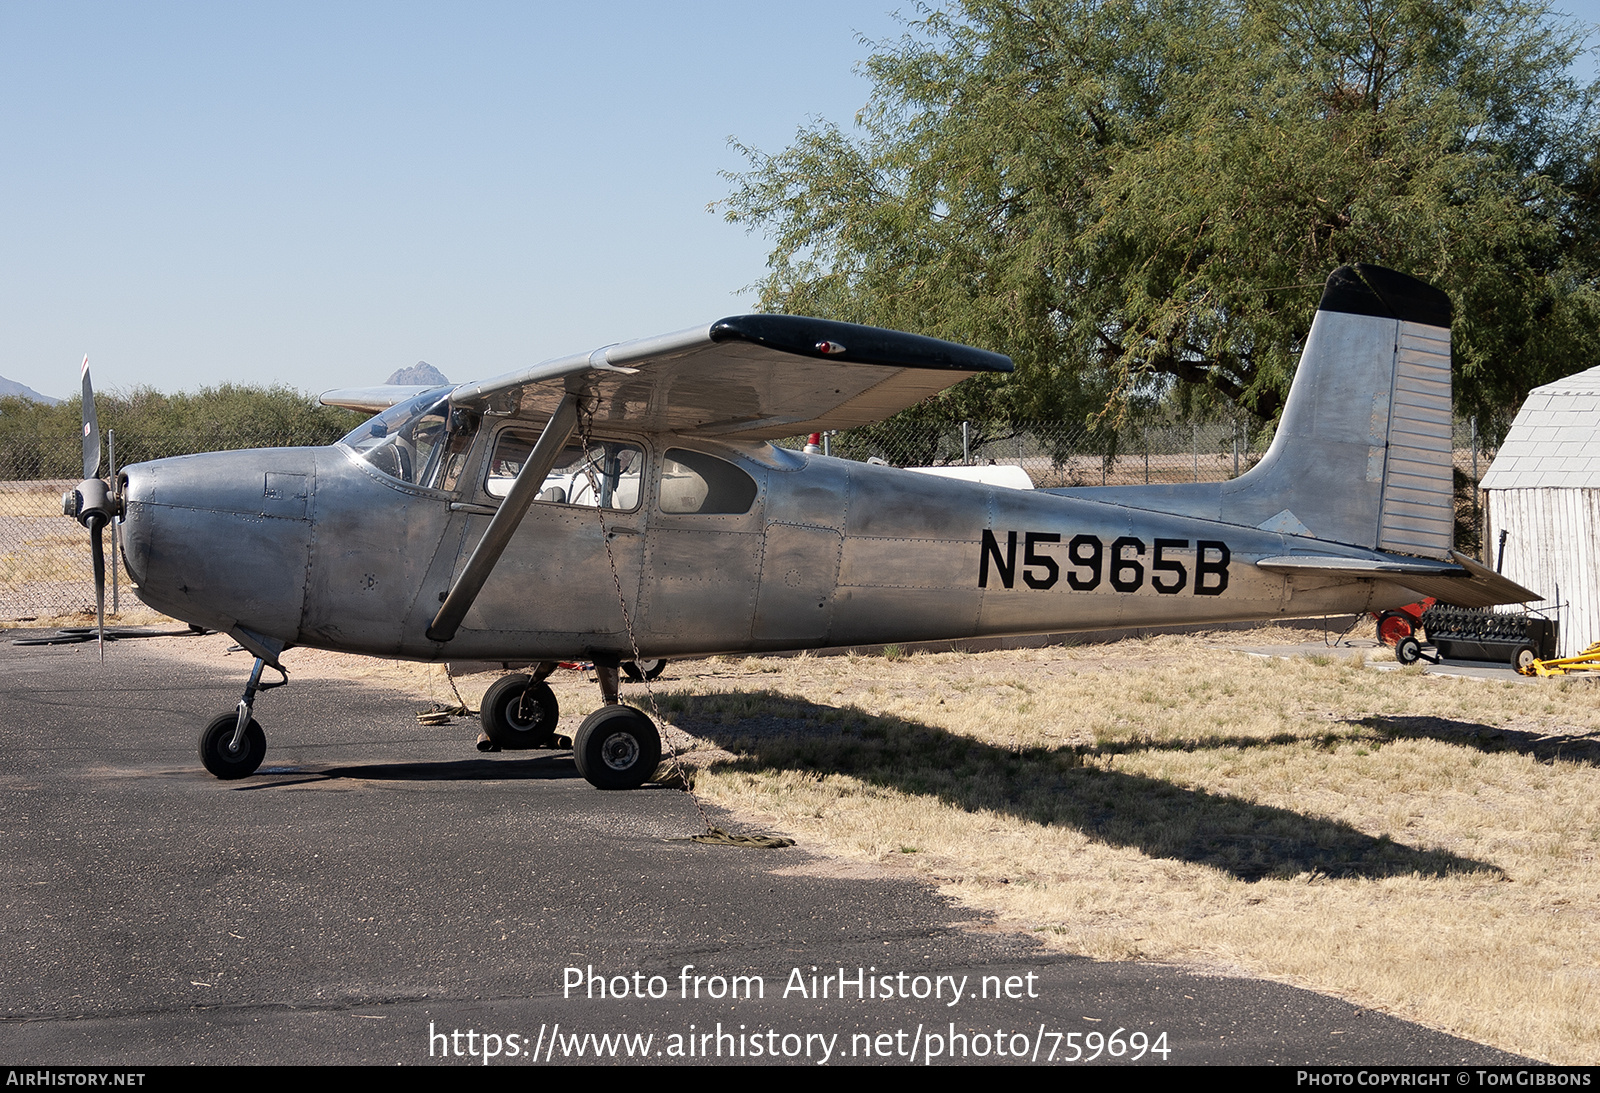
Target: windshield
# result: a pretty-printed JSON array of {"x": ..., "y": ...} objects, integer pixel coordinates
[{"x": 417, "y": 440}]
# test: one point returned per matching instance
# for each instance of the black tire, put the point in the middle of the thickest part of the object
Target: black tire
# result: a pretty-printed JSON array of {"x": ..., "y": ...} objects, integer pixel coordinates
[
  {"x": 617, "y": 747},
  {"x": 224, "y": 764},
  {"x": 1522, "y": 660},
  {"x": 1408, "y": 650},
  {"x": 640, "y": 670},
  {"x": 518, "y": 713}
]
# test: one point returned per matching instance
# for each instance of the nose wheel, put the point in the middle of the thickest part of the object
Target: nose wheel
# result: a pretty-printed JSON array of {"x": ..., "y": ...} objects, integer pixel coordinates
[
  {"x": 233, "y": 745},
  {"x": 225, "y": 760}
]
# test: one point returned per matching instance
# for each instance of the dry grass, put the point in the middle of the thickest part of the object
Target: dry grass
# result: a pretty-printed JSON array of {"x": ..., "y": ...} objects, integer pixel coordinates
[
  {"x": 1421, "y": 844},
  {"x": 134, "y": 614},
  {"x": 59, "y": 556}
]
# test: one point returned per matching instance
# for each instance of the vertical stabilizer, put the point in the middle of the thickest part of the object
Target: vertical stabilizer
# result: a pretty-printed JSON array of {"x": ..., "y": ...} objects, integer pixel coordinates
[{"x": 1362, "y": 454}]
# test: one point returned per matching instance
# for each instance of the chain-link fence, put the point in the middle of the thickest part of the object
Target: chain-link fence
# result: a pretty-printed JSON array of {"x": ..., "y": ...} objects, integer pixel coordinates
[
  {"x": 1056, "y": 454},
  {"x": 44, "y": 556},
  {"x": 1132, "y": 452}
]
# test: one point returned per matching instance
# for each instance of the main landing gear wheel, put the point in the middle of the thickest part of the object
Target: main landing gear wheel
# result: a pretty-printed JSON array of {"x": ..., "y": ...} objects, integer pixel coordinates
[
  {"x": 225, "y": 763},
  {"x": 617, "y": 747},
  {"x": 640, "y": 670},
  {"x": 519, "y": 713}
]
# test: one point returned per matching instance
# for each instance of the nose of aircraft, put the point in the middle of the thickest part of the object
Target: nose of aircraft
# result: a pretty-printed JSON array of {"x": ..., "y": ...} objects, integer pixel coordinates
[{"x": 223, "y": 539}]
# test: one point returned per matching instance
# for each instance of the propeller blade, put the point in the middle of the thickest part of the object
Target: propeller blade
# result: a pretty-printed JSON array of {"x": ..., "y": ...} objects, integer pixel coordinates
[
  {"x": 98, "y": 549},
  {"x": 91, "y": 427}
]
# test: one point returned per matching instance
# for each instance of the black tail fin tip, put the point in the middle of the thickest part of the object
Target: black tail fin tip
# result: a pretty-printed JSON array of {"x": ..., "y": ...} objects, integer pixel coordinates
[{"x": 1361, "y": 289}]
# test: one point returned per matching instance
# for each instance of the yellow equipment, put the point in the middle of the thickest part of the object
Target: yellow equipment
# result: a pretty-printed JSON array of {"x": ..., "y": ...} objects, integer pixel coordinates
[{"x": 1586, "y": 661}]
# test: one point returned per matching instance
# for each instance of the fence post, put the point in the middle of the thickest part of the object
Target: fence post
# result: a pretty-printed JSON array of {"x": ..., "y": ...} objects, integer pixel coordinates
[
  {"x": 111, "y": 457},
  {"x": 1194, "y": 427},
  {"x": 1146, "y": 432},
  {"x": 966, "y": 443},
  {"x": 1236, "y": 448}
]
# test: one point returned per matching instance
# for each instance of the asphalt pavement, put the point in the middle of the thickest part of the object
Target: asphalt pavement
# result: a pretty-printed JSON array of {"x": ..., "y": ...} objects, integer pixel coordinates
[{"x": 381, "y": 893}]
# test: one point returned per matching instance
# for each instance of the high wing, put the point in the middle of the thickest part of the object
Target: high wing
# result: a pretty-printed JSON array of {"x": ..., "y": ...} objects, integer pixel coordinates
[{"x": 749, "y": 377}]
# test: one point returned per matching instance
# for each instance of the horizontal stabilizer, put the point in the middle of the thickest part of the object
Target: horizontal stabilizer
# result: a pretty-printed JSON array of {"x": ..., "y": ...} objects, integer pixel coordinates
[{"x": 1466, "y": 583}]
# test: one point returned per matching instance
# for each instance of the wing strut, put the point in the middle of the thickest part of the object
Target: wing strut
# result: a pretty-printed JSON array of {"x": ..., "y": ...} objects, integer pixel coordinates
[{"x": 505, "y": 522}]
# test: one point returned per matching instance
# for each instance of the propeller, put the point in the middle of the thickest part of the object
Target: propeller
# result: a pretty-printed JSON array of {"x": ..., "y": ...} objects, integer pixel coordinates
[{"x": 93, "y": 504}]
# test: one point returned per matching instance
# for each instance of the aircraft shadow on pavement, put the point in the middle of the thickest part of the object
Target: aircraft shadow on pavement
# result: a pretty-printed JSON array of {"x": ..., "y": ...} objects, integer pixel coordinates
[
  {"x": 543, "y": 766},
  {"x": 1054, "y": 786},
  {"x": 1575, "y": 748}
]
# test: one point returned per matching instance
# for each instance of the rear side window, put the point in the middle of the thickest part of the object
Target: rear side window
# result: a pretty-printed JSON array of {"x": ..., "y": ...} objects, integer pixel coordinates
[{"x": 692, "y": 482}]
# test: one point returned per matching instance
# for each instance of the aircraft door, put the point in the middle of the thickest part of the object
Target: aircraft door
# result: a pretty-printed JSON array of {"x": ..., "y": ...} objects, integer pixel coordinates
[
  {"x": 702, "y": 556},
  {"x": 553, "y": 592}
]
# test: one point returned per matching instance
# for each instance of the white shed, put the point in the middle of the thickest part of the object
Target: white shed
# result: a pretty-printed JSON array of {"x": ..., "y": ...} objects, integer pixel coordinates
[{"x": 1544, "y": 490}]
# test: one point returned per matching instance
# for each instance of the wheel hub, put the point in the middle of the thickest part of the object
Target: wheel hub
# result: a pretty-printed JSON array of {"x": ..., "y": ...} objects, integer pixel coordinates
[
  {"x": 525, "y": 715},
  {"x": 620, "y": 751}
]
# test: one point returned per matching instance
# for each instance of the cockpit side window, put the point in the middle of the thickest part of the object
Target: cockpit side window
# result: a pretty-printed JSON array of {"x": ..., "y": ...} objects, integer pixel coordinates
[
  {"x": 606, "y": 474},
  {"x": 449, "y": 459},
  {"x": 693, "y": 482}
]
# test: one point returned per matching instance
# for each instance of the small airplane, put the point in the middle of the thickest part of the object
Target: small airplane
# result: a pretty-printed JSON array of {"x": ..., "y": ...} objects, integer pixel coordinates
[{"x": 627, "y": 505}]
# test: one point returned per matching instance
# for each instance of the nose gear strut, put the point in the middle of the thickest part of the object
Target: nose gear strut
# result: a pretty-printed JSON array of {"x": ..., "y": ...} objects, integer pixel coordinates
[{"x": 233, "y": 745}]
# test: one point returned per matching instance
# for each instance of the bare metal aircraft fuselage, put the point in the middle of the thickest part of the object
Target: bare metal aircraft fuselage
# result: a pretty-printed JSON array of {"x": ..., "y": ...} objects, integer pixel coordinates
[{"x": 831, "y": 553}]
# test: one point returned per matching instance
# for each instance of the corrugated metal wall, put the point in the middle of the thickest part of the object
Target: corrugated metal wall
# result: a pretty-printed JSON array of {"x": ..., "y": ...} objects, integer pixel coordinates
[{"x": 1554, "y": 549}]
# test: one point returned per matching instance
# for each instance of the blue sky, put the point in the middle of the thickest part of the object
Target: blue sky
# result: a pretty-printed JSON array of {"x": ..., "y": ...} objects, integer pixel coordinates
[{"x": 317, "y": 194}]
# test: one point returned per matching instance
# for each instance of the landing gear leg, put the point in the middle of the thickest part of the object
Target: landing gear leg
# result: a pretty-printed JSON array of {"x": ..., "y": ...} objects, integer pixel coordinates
[
  {"x": 233, "y": 745},
  {"x": 608, "y": 676}
]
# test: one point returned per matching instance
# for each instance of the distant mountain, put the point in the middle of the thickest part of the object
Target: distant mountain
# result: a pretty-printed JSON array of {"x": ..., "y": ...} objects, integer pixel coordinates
[
  {"x": 13, "y": 389},
  {"x": 421, "y": 374}
]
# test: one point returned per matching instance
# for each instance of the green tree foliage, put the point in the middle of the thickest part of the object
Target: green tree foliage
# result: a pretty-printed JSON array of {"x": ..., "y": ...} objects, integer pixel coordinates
[
  {"x": 39, "y": 441},
  {"x": 1146, "y": 195}
]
